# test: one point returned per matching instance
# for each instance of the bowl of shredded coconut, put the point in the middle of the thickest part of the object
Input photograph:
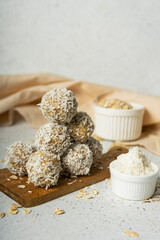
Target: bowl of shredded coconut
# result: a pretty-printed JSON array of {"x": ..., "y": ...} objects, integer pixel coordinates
[{"x": 133, "y": 175}]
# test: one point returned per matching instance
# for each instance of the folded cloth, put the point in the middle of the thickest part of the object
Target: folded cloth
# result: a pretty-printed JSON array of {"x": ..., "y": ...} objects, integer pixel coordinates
[{"x": 22, "y": 93}]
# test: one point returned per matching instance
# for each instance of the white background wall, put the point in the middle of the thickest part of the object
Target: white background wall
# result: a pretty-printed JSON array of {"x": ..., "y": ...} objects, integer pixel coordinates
[{"x": 112, "y": 42}]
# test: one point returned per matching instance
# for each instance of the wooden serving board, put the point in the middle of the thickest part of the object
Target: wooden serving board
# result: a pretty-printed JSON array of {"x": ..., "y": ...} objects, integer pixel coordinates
[{"x": 65, "y": 185}]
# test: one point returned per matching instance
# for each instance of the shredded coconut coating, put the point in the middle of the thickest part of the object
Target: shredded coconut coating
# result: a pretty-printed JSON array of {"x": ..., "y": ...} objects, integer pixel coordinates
[
  {"x": 135, "y": 162},
  {"x": 77, "y": 159},
  {"x": 17, "y": 156},
  {"x": 43, "y": 169},
  {"x": 81, "y": 127},
  {"x": 96, "y": 148},
  {"x": 53, "y": 138},
  {"x": 59, "y": 105}
]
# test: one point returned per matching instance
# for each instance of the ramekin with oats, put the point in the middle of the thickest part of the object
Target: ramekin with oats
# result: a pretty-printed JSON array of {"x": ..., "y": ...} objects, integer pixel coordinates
[{"x": 117, "y": 120}]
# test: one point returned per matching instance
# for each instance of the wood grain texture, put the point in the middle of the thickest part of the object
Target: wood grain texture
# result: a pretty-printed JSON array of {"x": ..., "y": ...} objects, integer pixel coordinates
[{"x": 65, "y": 185}]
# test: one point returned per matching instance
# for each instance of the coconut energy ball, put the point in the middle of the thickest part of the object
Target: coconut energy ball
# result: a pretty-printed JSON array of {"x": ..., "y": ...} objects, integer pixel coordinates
[
  {"x": 96, "y": 148},
  {"x": 77, "y": 159},
  {"x": 59, "y": 105},
  {"x": 17, "y": 156},
  {"x": 43, "y": 169},
  {"x": 53, "y": 138},
  {"x": 81, "y": 127}
]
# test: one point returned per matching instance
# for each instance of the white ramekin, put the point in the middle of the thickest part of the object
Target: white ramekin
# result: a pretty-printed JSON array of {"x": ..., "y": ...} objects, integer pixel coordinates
[
  {"x": 133, "y": 187},
  {"x": 119, "y": 124}
]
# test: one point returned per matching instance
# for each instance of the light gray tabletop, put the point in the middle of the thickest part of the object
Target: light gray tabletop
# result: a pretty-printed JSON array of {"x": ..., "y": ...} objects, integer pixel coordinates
[{"x": 104, "y": 217}]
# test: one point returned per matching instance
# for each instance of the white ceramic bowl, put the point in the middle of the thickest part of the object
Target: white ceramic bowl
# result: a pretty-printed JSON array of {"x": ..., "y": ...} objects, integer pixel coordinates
[
  {"x": 133, "y": 187},
  {"x": 119, "y": 124}
]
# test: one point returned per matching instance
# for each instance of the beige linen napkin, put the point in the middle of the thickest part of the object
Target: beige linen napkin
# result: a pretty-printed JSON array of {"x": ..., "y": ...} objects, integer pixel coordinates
[{"x": 22, "y": 92}]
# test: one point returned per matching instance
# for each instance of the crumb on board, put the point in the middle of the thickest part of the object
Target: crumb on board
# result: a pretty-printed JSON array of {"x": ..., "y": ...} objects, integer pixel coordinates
[
  {"x": 21, "y": 186},
  {"x": 8, "y": 179},
  {"x": 13, "y": 177},
  {"x": 27, "y": 210},
  {"x": 29, "y": 191},
  {"x": 72, "y": 182},
  {"x": 100, "y": 167},
  {"x": 130, "y": 233},
  {"x": 28, "y": 182},
  {"x": 2, "y": 214},
  {"x": 59, "y": 211}
]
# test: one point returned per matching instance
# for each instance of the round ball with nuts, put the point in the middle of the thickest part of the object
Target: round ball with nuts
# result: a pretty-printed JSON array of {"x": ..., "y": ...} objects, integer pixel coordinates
[
  {"x": 17, "y": 156},
  {"x": 81, "y": 127},
  {"x": 43, "y": 169},
  {"x": 77, "y": 160},
  {"x": 53, "y": 138},
  {"x": 59, "y": 105}
]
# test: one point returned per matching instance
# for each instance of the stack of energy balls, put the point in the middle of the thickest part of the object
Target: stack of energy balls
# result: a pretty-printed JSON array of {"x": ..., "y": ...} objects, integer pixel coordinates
[{"x": 64, "y": 145}]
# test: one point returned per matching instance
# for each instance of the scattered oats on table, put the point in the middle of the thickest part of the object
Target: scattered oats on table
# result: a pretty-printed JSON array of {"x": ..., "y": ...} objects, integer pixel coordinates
[
  {"x": 94, "y": 192},
  {"x": 2, "y": 214},
  {"x": 87, "y": 196},
  {"x": 13, "y": 208},
  {"x": 81, "y": 194},
  {"x": 59, "y": 211},
  {"x": 27, "y": 210},
  {"x": 15, "y": 205},
  {"x": 13, "y": 211},
  {"x": 130, "y": 233}
]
